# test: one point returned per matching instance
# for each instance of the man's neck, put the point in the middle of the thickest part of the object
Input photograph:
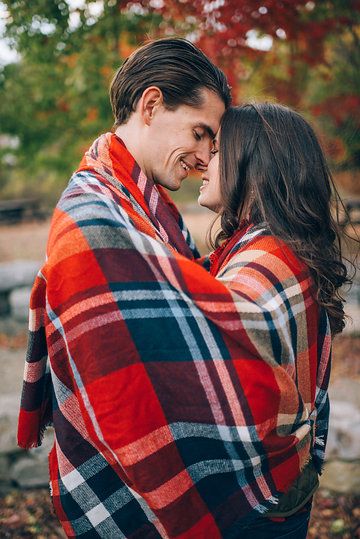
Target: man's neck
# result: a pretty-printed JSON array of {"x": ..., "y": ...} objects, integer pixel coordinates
[{"x": 130, "y": 135}]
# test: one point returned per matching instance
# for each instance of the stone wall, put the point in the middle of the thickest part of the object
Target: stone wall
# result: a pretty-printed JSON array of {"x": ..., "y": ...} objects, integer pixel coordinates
[
  {"x": 16, "y": 280},
  {"x": 342, "y": 468},
  {"x": 17, "y": 467}
]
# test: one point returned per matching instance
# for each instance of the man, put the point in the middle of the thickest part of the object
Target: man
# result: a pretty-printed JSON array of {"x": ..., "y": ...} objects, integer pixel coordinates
[
  {"x": 167, "y": 99},
  {"x": 134, "y": 349}
]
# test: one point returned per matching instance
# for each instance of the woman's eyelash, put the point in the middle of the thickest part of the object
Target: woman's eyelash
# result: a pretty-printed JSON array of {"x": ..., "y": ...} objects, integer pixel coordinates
[{"x": 197, "y": 135}]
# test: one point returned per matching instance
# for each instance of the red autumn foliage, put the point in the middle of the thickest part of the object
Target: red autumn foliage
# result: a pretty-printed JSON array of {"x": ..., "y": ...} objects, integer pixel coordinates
[
  {"x": 303, "y": 33},
  {"x": 305, "y": 23},
  {"x": 339, "y": 107}
]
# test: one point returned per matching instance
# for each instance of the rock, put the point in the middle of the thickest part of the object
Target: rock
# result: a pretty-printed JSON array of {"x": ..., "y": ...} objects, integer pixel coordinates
[
  {"x": 19, "y": 300},
  {"x": 4, "y": 469},
  {"x": 341, "y": 477},
  {"x": 9, "y": 411},
  {"x": 345, "y": 389},
  {"x": 343, "y": 443},
  {"x": 12, "y": 328},
  {"x": 4, "y": 303},
  {"x": 30, "y": 472},
  {"x": 344, "y": 432},
  {"x": 5, "y": 477},
  {"x": 42, "y": 452},
  {"x": 17, "y": 274},
  {"x": 11, "y": 374},
  {"x": 29, "y": 468}
]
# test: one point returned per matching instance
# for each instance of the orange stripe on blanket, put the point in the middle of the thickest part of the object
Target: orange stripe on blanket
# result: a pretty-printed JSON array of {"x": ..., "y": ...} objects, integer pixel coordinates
[
  {"x": 169, "y": 491},
  {"x": 146, "y": 446}
]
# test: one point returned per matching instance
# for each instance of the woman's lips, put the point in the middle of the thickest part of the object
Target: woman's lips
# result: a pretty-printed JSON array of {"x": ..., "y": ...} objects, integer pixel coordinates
[{"x": 204, "y": 184}]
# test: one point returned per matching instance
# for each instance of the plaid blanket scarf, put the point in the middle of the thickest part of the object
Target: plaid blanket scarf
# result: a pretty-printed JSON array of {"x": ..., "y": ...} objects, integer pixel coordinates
[{"x": 182, "y": 404}]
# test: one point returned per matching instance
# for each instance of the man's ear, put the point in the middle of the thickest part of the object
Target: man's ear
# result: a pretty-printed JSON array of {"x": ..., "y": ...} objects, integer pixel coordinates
[{"x": 150, "y": 101}]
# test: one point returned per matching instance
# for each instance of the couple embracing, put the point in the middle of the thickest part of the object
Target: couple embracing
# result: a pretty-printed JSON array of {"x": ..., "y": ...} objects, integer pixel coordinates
[{"x": 188, "y": 395}]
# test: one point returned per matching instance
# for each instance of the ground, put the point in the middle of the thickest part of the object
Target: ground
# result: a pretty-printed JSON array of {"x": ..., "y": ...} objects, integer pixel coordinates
[{"x": 29, "y": 515}]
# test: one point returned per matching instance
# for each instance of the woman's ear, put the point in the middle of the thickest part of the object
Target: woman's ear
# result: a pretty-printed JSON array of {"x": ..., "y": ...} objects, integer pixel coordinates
[{"x": 150, "y": 101}]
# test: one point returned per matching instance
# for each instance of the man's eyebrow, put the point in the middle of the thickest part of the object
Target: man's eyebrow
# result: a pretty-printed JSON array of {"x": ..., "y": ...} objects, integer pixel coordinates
[{"x": 208, "y": 129}]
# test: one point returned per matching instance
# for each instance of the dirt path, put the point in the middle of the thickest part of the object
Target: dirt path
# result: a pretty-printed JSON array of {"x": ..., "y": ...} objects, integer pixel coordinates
[{"x": 25, "y": 241}]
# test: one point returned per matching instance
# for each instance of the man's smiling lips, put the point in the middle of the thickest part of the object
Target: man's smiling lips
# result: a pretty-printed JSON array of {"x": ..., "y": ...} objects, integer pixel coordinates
[{"x": 185, "y": 165}]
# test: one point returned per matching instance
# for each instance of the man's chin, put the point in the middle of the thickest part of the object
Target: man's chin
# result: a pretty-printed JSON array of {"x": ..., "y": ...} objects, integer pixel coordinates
[{"x": 171, "y": 185}]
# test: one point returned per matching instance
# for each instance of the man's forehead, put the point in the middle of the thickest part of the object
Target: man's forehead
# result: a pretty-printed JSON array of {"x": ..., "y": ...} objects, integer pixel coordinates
[{"x": 210, "y": 112}]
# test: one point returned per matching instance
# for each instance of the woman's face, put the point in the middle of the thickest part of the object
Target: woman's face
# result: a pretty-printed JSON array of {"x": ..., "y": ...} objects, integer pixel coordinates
[{"x": 210, "y": 196}]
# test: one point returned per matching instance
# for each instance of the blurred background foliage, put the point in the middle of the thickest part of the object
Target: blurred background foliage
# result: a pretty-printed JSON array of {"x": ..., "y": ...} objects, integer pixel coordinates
[{"x": 54, "y": 97}]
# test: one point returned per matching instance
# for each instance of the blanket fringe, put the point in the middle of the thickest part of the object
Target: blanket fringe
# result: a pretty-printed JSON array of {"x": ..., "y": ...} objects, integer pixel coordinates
[
  {"x": 319, "y": 440},
  {"x": 274, "y": 500}
]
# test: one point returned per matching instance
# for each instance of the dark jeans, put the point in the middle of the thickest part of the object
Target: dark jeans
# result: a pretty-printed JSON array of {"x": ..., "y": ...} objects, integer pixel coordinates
[{"x": 294, "y": 527}]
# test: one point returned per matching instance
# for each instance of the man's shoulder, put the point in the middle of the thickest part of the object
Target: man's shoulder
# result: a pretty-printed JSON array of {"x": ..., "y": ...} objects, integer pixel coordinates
[
  {"x": 85, "y": 192},
  {"x": 86, "y": 202}
]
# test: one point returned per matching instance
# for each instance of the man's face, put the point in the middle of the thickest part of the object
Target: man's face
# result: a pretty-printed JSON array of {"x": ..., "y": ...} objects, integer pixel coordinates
[{"x": 181, "y": 140}]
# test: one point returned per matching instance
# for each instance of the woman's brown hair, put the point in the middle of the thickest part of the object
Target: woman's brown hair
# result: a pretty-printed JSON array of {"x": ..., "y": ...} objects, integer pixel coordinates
[{"x": 271, "y": 162}]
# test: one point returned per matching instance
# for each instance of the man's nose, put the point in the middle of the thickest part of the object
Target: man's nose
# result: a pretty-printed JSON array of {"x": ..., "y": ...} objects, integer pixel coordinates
[{"x": 203, "y": 156}]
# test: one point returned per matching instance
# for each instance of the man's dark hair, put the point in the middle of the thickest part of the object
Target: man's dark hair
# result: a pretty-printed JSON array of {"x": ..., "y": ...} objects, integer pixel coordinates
[{"x": 178, "y": 68}]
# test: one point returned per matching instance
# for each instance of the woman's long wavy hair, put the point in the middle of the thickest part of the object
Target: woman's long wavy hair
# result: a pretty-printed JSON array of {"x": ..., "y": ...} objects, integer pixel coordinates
[{"x": 272, "y": 168}]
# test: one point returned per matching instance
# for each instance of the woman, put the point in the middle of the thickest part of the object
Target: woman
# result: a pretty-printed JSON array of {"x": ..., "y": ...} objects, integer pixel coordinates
[{"x": 279, "y": 247}]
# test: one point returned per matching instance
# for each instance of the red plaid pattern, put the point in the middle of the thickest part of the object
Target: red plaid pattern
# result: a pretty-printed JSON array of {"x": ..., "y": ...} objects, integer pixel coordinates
[{"x": 182, "y": 404}]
